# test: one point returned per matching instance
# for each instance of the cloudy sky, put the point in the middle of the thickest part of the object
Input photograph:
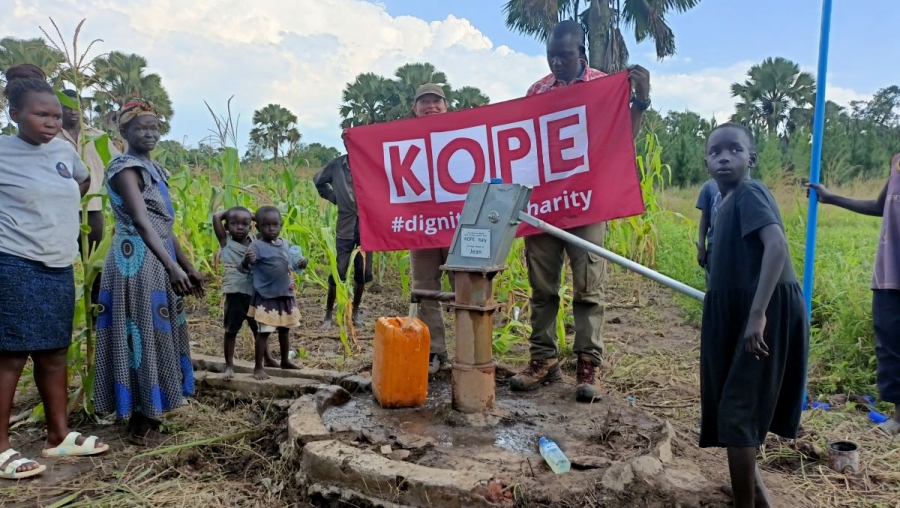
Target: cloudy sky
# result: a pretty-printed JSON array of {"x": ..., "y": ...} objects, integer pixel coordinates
[{"x": 301, "y": 53}]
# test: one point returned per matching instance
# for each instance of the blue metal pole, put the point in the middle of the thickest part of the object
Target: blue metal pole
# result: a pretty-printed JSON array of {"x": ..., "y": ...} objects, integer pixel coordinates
[{"x": 816, "y": 164}]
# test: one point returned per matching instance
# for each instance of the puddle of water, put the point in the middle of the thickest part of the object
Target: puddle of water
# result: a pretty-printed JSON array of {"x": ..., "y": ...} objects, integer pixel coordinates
[{"x": 431, "y": 420}]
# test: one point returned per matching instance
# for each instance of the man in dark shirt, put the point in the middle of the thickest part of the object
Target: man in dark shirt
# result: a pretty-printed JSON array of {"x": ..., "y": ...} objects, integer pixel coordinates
[{"x": 335, "y": 184}]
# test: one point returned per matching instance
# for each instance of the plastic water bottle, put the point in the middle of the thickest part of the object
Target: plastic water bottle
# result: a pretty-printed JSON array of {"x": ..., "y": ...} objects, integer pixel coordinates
[{"x": 555, "y": 458}]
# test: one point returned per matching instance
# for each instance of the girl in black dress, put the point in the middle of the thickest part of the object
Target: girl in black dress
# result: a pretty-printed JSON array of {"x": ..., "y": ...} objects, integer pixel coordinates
[{"x": 755, "y": 336}]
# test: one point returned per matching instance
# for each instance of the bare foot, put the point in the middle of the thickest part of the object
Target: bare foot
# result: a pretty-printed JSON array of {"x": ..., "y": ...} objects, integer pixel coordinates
[
  {"x": 270, "y": 361},
  {"x": 260, "y": 374},
  {"x": 327, "y": 324},
  {"x": 289, "y": 365},
  {"x": 761, "y": 497},
  {"x": 143, "y": 431},
  {"x": 149, "y": 437},
  {"x": 229, "y": 374},
  {"x": 28, "y": 466}
]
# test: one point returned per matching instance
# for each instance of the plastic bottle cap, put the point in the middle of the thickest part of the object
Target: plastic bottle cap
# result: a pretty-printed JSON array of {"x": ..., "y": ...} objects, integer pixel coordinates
[{"x": 496, "y": 180}]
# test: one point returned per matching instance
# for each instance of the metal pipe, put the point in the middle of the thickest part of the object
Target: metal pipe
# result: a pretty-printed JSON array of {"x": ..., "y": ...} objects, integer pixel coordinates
[
  {"x": 615, "y": 258},
  {"x": 417, "y": 295},
  {"x": 816, "y": 161}
]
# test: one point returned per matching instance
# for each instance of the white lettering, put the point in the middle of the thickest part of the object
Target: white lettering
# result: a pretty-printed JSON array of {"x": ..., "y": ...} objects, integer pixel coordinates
[
  {"x": 515, "y": 153},
  {"x": 406, "y": 166},
  {"x": 586, "y": 198},
  {"x": 565, "y": 202},
  {"x": 564, "y": 141},
  {"x": 459, "y": 159}
]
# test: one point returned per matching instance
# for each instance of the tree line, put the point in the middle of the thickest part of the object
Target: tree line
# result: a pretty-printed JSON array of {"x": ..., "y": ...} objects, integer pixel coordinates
[
  {"x": 371, "y": 98},
  {"x": 776, "y": 101},
  {"x": 113, "y": 78},
  {"x": 107, "y": 82},
  {"x": 366, "y": 100}
]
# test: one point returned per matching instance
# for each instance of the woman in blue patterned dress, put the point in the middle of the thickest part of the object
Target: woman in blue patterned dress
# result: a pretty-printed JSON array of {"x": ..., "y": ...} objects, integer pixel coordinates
[{"x": 143, "y": 353}]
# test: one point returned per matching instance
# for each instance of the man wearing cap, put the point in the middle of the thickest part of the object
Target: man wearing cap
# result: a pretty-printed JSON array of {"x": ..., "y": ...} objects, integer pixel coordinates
[
  {"x": 335, "y": 184},
  {"x": 426, "y": 263},
  {"x": 545, "y": 254}
]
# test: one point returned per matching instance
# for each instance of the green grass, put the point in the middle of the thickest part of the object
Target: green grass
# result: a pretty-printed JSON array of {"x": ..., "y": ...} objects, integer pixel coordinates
[{"x": 842, "y": 354}]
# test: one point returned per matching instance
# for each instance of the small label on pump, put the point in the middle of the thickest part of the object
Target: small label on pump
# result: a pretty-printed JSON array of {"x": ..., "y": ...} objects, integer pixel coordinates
[{"x": 475, "y": 243}]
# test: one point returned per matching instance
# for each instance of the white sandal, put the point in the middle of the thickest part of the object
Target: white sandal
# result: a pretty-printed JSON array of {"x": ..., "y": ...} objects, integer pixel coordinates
[
  {"x": 68, "y": 448},
  {"x": 10, "y": 473}
]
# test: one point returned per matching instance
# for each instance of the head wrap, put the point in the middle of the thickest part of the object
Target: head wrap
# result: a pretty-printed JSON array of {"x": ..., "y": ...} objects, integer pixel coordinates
[{"x": 134, "y": 109}]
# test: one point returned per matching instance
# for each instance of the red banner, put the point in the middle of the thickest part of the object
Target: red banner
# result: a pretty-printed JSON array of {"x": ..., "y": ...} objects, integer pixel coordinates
[{"x": 573, "y": 145}]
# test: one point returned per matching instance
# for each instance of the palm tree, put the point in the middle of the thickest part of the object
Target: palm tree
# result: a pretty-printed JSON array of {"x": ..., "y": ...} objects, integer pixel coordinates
[
  {"x": 372, "y": 99},
  {"x": 363, "y": 101},
  {"x": 603, "y": 21},
  {"x": 776, "y": 94},
  {"x": 274, "y": 125},
  {"x": 124, "y": 76},
  {"x": 32, "y": 51},
  {"x": 468, "y": 97},
  {"x": 294, "y": 145}
]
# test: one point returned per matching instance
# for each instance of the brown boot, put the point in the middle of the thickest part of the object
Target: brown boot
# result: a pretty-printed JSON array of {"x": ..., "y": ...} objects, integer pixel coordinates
[
  {"x": 538, "y": 372},
  {"x": 586, "y": 377}
]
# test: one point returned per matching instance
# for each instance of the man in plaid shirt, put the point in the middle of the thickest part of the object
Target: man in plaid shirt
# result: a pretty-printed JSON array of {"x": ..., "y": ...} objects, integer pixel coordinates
[{"x": 545, "y": 253}]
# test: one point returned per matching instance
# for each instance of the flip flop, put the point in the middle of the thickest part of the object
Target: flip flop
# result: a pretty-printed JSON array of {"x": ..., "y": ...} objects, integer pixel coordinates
[
  {"x": 68, "y": 448},
  {"x": 10, "y": 473}
]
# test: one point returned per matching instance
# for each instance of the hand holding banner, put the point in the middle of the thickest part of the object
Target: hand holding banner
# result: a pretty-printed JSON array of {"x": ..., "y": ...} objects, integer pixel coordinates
[{"x": 572, "y": 145}]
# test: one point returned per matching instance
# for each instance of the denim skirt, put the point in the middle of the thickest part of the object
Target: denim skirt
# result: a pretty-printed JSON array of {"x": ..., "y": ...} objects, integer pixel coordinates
[{"x": 37, "y": 305}]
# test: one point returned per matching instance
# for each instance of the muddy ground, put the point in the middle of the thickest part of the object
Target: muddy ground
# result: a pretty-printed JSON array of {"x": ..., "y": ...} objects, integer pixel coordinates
[{"x": 225, "y": 452}]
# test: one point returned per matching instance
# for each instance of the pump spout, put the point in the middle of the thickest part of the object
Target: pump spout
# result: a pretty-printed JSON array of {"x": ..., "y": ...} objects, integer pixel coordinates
[{"x": 420, "y": 295}]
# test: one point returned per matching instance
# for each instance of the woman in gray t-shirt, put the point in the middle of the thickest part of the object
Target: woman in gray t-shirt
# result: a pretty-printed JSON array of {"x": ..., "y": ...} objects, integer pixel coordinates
[{"x": 42, "y": 181}]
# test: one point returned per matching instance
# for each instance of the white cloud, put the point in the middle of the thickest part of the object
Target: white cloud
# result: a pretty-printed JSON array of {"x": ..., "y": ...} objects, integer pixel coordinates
[
  {"x": 706, "y": 91},
  {"x": 300, "y": 53}
]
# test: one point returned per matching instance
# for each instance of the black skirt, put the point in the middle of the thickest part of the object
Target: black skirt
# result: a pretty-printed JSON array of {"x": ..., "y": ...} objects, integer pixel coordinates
[
  {"x": 742, "y": 398},
  {"x": 37, "y": 305}
]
